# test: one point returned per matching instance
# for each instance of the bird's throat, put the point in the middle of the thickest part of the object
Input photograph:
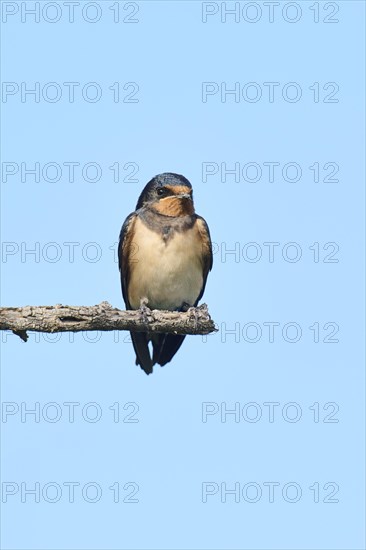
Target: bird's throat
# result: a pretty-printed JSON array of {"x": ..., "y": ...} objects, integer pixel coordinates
[{"x": 174, "y": 207}]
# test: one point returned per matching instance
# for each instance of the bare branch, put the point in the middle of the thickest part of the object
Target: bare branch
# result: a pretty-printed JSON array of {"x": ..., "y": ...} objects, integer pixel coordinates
[{"x": 103, "y": 317}]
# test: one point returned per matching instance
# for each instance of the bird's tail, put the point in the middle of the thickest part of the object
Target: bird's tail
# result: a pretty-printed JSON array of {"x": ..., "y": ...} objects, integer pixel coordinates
[
  {"x": 140, "y": 342},
  {"x": 165, "y": 346}
]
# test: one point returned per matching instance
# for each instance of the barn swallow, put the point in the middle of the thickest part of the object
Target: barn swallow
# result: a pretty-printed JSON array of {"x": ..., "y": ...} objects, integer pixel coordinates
[{"x": 165, "y": 254}]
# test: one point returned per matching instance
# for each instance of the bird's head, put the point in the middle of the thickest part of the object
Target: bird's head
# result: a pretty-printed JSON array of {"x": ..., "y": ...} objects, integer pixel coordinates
[{"x": 168, "y": 194}]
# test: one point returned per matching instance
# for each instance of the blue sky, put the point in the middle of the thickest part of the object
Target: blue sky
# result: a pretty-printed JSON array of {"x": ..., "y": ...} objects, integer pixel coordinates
[{"x": 263, "y": 112}]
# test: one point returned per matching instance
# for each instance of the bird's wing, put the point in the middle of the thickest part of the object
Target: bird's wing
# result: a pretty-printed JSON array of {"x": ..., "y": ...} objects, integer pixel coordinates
[
  {"x": 207, "y": 258},
  {"x": 126, "y": 249}
]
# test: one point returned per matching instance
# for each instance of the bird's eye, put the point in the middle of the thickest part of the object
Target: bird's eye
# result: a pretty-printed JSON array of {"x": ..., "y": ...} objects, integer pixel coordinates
[{"x": 161, "y": 191}]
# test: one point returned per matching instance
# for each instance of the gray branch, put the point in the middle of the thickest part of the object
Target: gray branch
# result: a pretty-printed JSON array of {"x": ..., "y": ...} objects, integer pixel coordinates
[{"x": 103, "y": 317}]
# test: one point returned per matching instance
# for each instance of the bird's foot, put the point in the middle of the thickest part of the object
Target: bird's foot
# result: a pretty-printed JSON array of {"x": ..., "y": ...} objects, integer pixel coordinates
[
  {"x": 145, "y": 312},
  {"x": 193, "y": 316}
]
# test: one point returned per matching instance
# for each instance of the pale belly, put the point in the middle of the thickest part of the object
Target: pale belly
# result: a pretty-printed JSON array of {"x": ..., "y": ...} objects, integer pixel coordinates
[{"x": 167, "y": 274}]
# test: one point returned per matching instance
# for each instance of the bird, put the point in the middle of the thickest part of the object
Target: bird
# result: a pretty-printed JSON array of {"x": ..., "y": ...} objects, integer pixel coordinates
[{"x": 164, "y": 257}]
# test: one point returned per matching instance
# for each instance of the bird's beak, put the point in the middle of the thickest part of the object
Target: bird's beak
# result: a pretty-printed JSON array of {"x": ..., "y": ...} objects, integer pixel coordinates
[{"x": 185, "y": 196}]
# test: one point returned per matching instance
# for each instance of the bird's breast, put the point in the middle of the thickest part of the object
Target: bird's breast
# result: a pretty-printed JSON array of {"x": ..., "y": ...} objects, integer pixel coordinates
[{"x": 165, "y": 267}]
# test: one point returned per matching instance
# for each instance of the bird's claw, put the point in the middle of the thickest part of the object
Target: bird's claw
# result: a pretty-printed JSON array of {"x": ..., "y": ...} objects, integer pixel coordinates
[
  {"x": 145, "y": 312},
  {"x": 193, "y": 315}
]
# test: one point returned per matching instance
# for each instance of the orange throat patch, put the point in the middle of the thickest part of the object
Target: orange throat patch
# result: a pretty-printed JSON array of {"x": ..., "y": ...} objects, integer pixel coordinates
[{"x": 174, "y": 207}]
